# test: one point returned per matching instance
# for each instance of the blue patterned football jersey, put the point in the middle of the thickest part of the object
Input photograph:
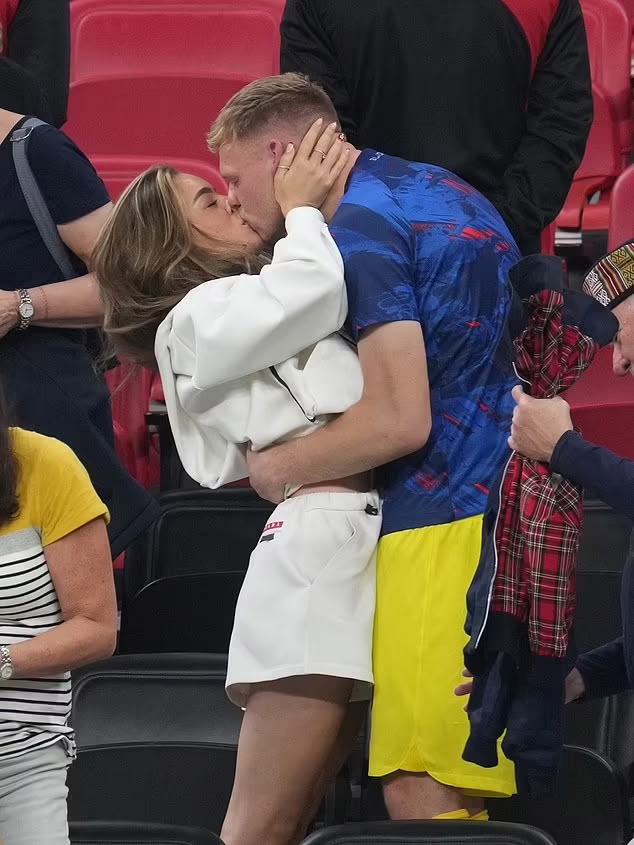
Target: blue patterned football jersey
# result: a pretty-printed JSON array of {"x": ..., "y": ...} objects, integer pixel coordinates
[{"x": 420, "y": 244}]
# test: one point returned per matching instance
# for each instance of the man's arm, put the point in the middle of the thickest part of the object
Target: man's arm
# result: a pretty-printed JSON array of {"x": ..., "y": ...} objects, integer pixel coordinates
[
  {"x": 306, "y": 48},
  {"x": 542, "y": 430},
  {"x": 603, "y": 671},
  {"x": 392, "y": 418},
  {"x": 40, "y": 41},
  {"x": 609, "y": 477},
  {"x": 558, "y": 120}
]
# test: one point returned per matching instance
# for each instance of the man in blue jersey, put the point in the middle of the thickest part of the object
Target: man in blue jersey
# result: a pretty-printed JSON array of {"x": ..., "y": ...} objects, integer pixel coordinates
[{"x": 426, "y": 259}]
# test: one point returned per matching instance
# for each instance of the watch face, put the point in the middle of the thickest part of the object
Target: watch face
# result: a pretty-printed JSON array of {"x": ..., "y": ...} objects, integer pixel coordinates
[
  {"x": 6, "y": 672},
  {"x": 26, "y": 310}
]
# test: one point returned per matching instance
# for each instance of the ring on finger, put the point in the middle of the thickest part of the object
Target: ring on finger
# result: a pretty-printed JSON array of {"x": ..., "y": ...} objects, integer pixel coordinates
[
  {"x": 321, "y": 153},
  {"x": 283, "y": 167}
]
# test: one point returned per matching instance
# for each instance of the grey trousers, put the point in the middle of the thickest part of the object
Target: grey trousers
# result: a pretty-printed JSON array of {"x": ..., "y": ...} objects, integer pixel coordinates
[{"x": 33, "y": 798}]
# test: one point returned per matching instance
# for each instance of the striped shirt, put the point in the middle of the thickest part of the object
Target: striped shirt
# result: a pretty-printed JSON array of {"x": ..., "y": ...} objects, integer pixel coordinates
[{"x": 56, "y": 498}]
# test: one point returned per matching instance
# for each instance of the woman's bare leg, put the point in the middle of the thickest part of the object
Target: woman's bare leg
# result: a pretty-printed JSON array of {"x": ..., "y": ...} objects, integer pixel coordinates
[
  {"x": 357, "y": 712},
  {"x": 287, "y": 739}
]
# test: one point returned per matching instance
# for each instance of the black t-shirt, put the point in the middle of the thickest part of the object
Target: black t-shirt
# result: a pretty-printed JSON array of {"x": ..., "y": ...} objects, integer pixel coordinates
[
  {"x": 39, "y": 40},
  {"x": 71, "y": 188}
]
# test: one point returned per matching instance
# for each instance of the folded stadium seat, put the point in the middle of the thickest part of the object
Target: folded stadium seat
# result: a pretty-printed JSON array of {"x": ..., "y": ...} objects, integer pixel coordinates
[
  {"x": 622, "y": 210},
  {"x": 130, "y": 391},
  {"x": 605, "y": 539},
  {"x": 548, "y": 239},
  {"x": 197, "y": 532},
  {"x": 83, "y": 12},
  {"x": 156, "y": 739},
  {"x": 181, "y": 614},
  {"x": 603, "y": 406},
  {"x": 601, "y": 165},
  {"x": 602, "y": 555},
  {"x": 430, "y": 833},
  {"x": 128, "y": 833},
  {"x": 156, "y": 116},
  {"x": 206, "y": 40},
  {"x": 604, "y": 725},
  {"x": 609, "y": 27},
  {"x": 118, "y": 171},
  {"x": 182, "y": 579},
  {"x": 590, "y": 809}
]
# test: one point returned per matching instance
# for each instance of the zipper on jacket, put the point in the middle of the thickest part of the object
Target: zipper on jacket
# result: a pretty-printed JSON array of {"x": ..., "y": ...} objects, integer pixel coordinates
[
  {"x": 281, "y": 381},
  {"x": 495, "y": 531},
  {"x": 495, "y": 557}
]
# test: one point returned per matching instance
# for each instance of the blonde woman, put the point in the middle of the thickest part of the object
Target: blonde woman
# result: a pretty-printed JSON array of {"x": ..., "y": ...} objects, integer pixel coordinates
[{"x": 248, "y": 355}]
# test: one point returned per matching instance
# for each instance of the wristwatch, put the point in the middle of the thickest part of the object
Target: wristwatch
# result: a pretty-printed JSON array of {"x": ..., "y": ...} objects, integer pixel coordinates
[
  {"x": 6, "y": 664},
  {"x": 25, "y": 309}
]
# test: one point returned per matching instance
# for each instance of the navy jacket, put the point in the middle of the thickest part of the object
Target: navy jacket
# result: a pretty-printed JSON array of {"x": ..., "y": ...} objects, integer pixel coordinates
[
  {"x": 514, "y": 690},
  {"x": 609, "y": 669}
]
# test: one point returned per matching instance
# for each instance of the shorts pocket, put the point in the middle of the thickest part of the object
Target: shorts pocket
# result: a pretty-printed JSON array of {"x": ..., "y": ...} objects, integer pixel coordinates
[{"x": 326, "y": 536}]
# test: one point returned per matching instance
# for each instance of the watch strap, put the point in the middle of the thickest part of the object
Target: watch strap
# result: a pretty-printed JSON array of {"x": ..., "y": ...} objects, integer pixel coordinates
[
  {"x": 25, "y": 299},
  {"x": 5, "y": 659}
]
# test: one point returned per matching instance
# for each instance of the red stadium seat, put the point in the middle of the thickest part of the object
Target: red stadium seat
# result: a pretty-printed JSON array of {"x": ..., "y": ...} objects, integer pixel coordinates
[
  {"x": 603, "y": 406},
  {"x": 157, "y": 117},
  {"x": 118, "y": 171},
  {"x": 168, "y": 39},
  {"x": 609, "y": 28},
  {"x": 601, "y": 166},
  {"x": 548, "y": 240},
  {"x": 130, "y": 388},
  {"x": 622, "y": 210}
]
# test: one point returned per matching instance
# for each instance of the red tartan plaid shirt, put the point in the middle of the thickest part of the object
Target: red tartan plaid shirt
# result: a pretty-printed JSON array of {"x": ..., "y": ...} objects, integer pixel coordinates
[{"x": 540, "y": 517}]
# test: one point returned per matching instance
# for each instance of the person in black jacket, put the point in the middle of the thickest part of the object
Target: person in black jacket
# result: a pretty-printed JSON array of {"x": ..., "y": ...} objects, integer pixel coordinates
[
  {"x": 36, "y": 35},
  {"x": 498, "y": 92},
  {"x": 542, "y": 429}
]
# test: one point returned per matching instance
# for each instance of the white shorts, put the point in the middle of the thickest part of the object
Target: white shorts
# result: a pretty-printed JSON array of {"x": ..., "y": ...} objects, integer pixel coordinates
[{"x": 307, "y": 603}]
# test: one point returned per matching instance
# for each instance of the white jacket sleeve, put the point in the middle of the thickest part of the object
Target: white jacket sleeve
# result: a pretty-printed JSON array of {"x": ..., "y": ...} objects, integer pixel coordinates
[{"x": 259, "y": 321}]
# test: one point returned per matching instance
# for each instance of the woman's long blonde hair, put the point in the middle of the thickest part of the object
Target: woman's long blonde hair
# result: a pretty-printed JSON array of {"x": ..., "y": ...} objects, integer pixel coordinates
[{"x": 149, "y": 256}]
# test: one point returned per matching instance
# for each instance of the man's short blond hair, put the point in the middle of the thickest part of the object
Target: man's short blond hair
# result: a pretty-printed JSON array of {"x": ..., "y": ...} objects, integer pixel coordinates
[{"x": 289, "y": 96}]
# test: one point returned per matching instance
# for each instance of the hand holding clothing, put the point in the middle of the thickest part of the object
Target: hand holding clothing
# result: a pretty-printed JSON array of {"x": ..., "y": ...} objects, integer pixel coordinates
[{"x": 538, "y": 425}]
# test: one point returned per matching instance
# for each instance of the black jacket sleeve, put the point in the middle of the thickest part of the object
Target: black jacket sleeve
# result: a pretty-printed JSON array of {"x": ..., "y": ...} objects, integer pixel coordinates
[
  {"x": 604, "y": 670},
  {"x": 609, "y": 477},
  {"x": 558, "y": 120},
  {"x": 39, "y": 40},
  {"x": 306, "y": 48},
  {"x": 608, "y": 669}
]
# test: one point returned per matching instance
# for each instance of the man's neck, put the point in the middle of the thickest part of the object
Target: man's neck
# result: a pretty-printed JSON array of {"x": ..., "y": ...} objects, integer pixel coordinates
[{"x": 337, "y": 191}]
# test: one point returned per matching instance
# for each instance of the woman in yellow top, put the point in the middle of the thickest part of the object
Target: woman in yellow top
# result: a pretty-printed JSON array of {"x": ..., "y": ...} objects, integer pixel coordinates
[{"x": 57, "y": 612}]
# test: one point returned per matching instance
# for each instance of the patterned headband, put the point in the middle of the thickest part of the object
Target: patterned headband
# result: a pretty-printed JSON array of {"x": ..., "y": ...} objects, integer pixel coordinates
[{"x": 611, "y": 280}]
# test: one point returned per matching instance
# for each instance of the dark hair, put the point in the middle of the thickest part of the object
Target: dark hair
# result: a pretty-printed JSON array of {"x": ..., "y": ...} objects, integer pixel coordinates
[
  {"x": 9, "y": 468},
  {"x": 20, "y": 91}
]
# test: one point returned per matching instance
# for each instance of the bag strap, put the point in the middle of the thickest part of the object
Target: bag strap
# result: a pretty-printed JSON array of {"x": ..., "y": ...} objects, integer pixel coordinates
[{"x": 34, "y": 199}]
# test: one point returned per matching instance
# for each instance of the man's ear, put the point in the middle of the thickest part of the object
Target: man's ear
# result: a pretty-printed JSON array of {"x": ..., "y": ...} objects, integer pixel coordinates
[{"x": 276, "y": 150}]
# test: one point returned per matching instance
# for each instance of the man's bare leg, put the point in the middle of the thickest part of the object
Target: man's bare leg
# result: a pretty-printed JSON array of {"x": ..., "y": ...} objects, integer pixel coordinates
[
  {"x": 287, "y": 740},
  {"x": 414, "y": 795}
]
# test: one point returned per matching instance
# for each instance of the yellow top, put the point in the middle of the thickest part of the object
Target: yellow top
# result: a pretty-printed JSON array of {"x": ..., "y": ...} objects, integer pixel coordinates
[{"x": 55, "y": 492}]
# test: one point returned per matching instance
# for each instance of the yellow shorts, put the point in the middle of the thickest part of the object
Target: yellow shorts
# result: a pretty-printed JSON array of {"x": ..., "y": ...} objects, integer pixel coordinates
[{"x": 418, "y": 724}]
